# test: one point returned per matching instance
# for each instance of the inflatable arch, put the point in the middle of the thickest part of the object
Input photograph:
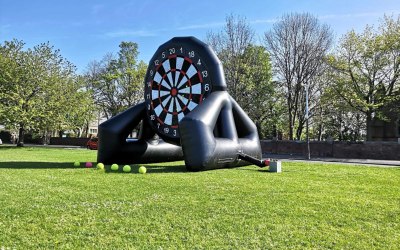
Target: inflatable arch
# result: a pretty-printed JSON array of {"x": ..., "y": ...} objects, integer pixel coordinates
[{"x": 187, "y": 115}]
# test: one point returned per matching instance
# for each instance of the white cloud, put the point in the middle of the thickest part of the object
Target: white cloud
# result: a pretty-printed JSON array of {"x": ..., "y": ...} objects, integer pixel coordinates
[
  {"x": 131, "y": 33},
  {"x": 155, "y": 32},
  {"x": 361, "y": 14},
  {"x": 200, "y": 26},
  {"x": 263, "y": 21}
]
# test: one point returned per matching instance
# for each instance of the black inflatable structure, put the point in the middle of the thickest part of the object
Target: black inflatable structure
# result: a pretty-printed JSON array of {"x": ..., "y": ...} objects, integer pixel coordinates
[{"x": 187, "y": 114}]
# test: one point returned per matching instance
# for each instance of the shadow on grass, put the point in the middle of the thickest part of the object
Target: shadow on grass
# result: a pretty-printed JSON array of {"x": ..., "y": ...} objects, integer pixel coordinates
[
  {"x": 10, "y": 146},
  {"x": 261, "y": 170},
  {"x": 151, "y": 169},
  {"x": 33, "y": 165},
  {"x": 64, "y": 165},
  {"x": 166, "y": 169}
]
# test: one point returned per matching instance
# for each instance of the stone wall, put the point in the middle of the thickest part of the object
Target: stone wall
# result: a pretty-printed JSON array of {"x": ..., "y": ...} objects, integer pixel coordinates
[
  {"x": 69, "y": 141},
  {"x": 362, "y": 150}
]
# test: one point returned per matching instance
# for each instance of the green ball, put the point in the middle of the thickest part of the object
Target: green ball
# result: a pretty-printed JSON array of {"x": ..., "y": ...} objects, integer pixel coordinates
[
  {"x": 100, "y": 166},
  {"x": 77, "y": 164},
  {"x": 142, "y": 170},
  {"x": 126, "y": 168},
  {"x": 114, "y": 167}
]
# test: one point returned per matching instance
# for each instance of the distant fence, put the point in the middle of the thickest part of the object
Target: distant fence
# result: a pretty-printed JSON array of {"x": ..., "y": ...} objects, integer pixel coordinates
[
  {"x": 69, "y": 141},
  {"x": 362, "y": 150}
]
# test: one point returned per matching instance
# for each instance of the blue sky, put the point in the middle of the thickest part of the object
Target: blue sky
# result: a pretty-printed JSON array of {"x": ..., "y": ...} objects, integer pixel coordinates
[{"x": 86, "y": 30}]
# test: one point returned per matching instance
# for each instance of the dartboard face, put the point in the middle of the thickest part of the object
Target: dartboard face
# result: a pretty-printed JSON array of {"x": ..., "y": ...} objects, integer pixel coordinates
[{"x": 177, "y": 81}]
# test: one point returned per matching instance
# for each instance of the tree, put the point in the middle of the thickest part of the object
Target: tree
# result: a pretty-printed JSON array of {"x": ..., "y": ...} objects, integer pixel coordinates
[
  {"x": 334, "y": 118},
  {"x": 247, "y": 69},
  {"x": 80, "y": 119},
  {"x": 70, "y": 107},
  {"x": 367, "y": 69},
  {"x": 117, "y": 82},
  {"x": 37, "y": 88},
  {"x": 298, "y": 44},
  {"x": 230, "y": 45},
  {"x": 258, "y": 94}
]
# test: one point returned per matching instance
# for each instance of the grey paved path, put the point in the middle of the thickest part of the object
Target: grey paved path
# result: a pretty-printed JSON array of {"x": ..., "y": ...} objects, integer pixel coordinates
[
  {"x": 366, "y": 162},
  {"x": 45, "y": 146}
]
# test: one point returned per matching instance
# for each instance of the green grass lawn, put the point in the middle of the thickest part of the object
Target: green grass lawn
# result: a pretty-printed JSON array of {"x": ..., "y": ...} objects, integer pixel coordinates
[{"x": 47, "y": 203}]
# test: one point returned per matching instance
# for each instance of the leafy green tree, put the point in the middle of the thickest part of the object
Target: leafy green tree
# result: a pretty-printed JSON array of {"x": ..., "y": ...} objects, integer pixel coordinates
[
  {"x": 9, "y": 68},
  {"x": 117, "y": 82},
  {"x": 78, "y": 119},
  {"x": 336, "y": 120},
  {"x": 258, "y": 94},
  {"x": 69, "y": 106},
  {"x": 367, "y": 70},
  {"x": 38, "y": 88}
]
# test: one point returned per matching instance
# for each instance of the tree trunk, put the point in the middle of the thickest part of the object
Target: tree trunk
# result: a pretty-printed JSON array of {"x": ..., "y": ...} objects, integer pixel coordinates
[
  {"x": 46, "y": 138},
  {"x": 258, "y": 125},
  {"x": 85, "y": 132},
  {"x": 369, "y": 126},
  {"x": 274, "y": 132},
  {"x": 290, "y": 125},
  {"x": 299, "y": 131},
  {"x": 79, "y": 132},
  {"x": 21, "y": 135},
  {"x": 320, "y": 132}
]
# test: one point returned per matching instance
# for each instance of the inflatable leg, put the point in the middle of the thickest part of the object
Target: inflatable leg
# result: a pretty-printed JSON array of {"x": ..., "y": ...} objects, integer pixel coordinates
[{"x": 115, "y": 148}]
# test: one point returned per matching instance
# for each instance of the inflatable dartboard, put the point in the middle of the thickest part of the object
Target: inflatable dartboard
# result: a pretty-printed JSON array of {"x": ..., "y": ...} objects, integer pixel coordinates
[
  {"x": 186, "y": 104},
  {"x": 181, "y": 74}
]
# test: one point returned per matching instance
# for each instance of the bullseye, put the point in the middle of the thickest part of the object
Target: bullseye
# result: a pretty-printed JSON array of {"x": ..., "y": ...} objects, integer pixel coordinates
[{"x": 174, "y": 92}]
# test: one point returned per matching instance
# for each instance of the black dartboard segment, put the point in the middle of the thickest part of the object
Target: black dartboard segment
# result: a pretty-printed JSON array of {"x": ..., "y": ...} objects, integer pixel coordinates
[{"x": 177, "y": 82}]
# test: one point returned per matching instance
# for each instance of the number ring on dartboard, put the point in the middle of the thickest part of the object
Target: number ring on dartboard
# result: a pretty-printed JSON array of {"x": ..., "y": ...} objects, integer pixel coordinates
[
  {"x": 177, "y": 82},
  {"x": 176, "y": 94}
]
